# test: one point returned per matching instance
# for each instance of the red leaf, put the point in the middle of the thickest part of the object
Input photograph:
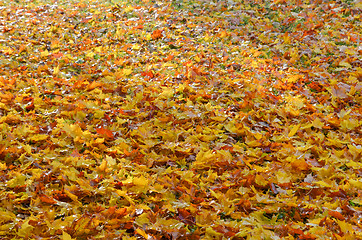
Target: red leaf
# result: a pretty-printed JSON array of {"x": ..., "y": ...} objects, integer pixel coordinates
[
  {"x": 105, "y": 133},
  {"x": 148, "y": 74}
]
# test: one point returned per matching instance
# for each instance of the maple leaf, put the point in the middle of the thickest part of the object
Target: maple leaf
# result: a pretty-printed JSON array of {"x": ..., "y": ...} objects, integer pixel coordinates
[
  {"x": 156, "y": 34},
  {"x": 105, "y": 133}
]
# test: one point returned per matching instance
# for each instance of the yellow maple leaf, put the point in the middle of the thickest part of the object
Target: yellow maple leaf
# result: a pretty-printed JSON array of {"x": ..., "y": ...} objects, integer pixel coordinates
[
  {"x": 8, "y": 51},
  {"x": 140, "y": 181},
  {"x": 25, "y": 229},
  {"x": 56, "y": 70},
  {"x": 355, "y": 183},
  {"x": 98, "y": 49},
  {"x": 294, "y": 130},
  {"x": 27, "y": 148},
  {"x": 349, "y": 124},
  {"x": 128, "y": 9},
  {"x": 283, "y": 177},
  {"x": 127, "y": 71},
  {"x": 142, "y": 233},
  {"x": 211, "y": 233},
  {"x": 103, "y": 166},
  {"x": 3, "y": 166},
  {"x": 136, "y": 47},
  {"x": 345, "y": 64},
  {"x": 38, "y": 137},
  {"x": 90, "y": 54},
  {"x": 148, "y": 37},
  {"x": 44, "y": 53},
  {"x": 72, "y": 129},
  {"x": 260, "y": 180},
  {"x": 66, "y": 236},
  {"x": 317, "y": 123},
  {"x": 16, "y": 181},
  {"x": 323, "y": 184}
]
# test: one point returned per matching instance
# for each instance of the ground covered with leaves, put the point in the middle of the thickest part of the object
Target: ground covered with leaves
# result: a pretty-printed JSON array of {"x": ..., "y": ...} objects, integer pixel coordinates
[{"x": 180, "y": 120}]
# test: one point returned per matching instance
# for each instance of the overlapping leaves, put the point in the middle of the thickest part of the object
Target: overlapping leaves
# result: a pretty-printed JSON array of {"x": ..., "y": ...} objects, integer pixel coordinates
[{"x": 181, "y": 120}]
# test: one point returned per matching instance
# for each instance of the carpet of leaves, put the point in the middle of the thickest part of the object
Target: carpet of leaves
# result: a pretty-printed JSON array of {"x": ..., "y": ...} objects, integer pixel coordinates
[{"x": 181, "y": 120}]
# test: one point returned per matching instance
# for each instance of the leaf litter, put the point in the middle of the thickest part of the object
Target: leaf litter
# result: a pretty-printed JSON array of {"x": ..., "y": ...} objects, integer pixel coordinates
[{"x": 180, "y": 120}]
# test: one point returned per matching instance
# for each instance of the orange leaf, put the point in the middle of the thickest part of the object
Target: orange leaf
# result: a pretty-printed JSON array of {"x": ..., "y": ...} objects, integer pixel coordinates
[
  {"x": 138, "y": 27},
  {"x": 156, "y": 34},
  {"x": 300, "y": 164},
  {"x": 105, "y": 133},
  {"x": 337, "y": 215},
  {"x": 47, "y": 199},
  {"x": 126, "y": 153},
  {"x": 93, "y": 85},
  {"x": 121, "y": 212}
]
